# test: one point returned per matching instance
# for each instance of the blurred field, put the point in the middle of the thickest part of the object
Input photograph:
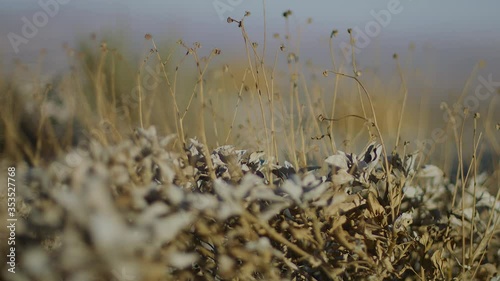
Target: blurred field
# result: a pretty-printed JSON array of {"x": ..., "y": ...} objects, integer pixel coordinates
[
  {"x": 275, "y": 103},
  {"x": 99, "y": 94}
]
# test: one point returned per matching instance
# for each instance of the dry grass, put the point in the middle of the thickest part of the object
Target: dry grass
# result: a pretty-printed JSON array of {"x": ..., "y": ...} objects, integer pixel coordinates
[{"x": 104, "y": 195}]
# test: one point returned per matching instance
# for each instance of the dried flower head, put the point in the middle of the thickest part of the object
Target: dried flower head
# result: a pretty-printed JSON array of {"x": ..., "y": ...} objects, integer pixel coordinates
[
  {"x": 287, "y": 13},
  {"x": 403, "y": 221},
  {"x": 292, "y": 57}
]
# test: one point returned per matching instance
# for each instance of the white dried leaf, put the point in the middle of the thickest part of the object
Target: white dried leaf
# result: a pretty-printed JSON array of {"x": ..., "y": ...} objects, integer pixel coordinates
[
  {"x": 229, "y": 209},
  {"x": 293, "y": 190},
  {"x": 310, "y": 180},
  {"x": 337, "y": 160},
  {"x": 167, "y": 173},
  {"x": 342, "y": 177},
  {"x": 166, "y": 229},
  {"x": 195, "y": 147},
  {"x": 315, "y": 192},
  {"x": 370, "y": 157},
  {"x": 272, "y": 210},
  {"x": 225, "y": 263},
  {"x": 403, "y": 221},
  {"x": 409, "y": 162},
  {"x": 331, "y": 198},
  {"x": 111, "y": 237},
  {"x": 202, "y": 201},
  {"x": 261, "y": 245},
  {"x": 430, "y": 171},
  {"x": 413, "y": 191},
  {"x": 239, "y": 153},
  {"x": 37, "y": 262},
  {"x": 257, "y": 158},
  {"x": 468, "y": 212},
  {"x": 149, "y": 133},
  {"x": 166, "y": 140},
  {"x": 245, "y": 168},
  {"x": 224, "y": 150},
  {"x": 265, "y": 193},
  {"x": 242, "y": 190},
  {"x": 182, "y": 260},
  {"x": 216, "y": 160},
  {"x": 175, "y": 194},
  {"x": 224, "y": 190},
  {"x": 251, "y": 180},
  {"x": 153, "y": 212},
  {"x": 230, "y": 205},
  {"x": 288, "y": 165}
]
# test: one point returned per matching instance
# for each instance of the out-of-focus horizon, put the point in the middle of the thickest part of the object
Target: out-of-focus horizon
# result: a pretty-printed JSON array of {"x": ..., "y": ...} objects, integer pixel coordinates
[{"x": 449, "y": 36}]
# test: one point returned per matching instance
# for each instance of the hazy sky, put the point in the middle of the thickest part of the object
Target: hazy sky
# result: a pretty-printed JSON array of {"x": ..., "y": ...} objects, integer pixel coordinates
[{"x": 457, "y": 33}]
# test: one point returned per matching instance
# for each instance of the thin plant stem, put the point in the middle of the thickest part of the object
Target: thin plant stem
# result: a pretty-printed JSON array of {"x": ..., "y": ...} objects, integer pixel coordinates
[{"x": 403, "y": 105}]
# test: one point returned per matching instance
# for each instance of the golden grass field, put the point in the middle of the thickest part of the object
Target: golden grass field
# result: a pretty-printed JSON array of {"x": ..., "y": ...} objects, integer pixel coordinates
[{"x": 113, "y": 181}]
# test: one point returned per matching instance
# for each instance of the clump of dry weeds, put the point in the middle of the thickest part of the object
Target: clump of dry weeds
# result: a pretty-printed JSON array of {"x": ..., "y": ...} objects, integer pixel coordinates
[
  {"x": 135, "y": 204},
  {"x": 142, "y": 211}
]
